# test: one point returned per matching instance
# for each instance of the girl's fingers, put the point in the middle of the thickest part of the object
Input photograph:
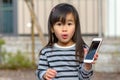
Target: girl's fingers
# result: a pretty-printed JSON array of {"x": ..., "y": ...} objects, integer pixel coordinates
[
  {"x": 96, "y": 56},
  {"x": 50, "y": 73},
  {"x": 93, "y": 62},
  {"x": 47, "y": 78},
  {"x": 85, "y": 51}
]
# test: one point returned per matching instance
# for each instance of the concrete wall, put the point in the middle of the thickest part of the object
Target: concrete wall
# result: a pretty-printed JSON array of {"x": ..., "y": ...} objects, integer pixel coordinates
[{"x": 109, "y": 53}]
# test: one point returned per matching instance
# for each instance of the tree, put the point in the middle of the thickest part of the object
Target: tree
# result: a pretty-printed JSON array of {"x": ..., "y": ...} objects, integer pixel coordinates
[{"x": 34, "y": 21}]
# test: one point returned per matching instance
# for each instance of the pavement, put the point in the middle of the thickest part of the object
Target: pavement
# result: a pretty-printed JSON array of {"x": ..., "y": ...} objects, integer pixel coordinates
[{"x": 30, "y": 75}]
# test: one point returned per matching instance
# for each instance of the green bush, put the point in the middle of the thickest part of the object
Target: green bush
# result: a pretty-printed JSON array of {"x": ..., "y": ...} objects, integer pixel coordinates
[
  {"x": 17, "y": 61},
  {"x": 2, "y": 42}
]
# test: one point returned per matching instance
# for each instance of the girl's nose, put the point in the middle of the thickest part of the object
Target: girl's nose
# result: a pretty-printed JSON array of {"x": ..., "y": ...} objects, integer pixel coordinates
[{"x": 64, "y": 29}]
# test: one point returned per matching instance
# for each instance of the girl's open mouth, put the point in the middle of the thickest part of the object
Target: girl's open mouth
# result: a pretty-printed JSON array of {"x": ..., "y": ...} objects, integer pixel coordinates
[{"x": 64, "y": 36}]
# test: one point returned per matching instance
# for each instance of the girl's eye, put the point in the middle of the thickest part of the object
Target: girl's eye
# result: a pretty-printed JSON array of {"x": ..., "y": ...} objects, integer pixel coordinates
[
  {"x": 59, "y": 24},
  {"x": 69, "y": 24}
]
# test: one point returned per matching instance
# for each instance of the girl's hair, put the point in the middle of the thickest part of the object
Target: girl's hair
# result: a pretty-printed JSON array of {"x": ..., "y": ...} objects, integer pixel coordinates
[{"x": 59, "y": 13}]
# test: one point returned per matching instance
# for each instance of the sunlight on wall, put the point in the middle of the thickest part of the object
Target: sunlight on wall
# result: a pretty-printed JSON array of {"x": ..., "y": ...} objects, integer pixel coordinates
[{"x": 113, "y": 17}]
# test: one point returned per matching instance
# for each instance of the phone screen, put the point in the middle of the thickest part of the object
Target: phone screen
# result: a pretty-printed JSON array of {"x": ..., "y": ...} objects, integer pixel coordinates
[{"x": 92, "y": 50}]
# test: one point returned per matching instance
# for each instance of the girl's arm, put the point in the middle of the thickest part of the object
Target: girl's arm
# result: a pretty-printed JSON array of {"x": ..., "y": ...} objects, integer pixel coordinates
[
  {"x": 44, "y": 72},
  {"x": 42, "y": 66},
  {"x": 85, "y": 71}
]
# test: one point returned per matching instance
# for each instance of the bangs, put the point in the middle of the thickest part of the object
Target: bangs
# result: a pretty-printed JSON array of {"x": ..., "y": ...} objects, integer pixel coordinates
[{"x": 59, "y": 14}]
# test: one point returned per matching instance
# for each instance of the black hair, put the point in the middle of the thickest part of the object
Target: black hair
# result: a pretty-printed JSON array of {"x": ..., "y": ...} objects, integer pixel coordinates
[{"x": 58, "y": 13}]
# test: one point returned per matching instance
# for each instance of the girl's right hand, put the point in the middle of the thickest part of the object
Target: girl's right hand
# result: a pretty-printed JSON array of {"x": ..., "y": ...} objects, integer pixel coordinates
[{"x": 50, "y": 74}]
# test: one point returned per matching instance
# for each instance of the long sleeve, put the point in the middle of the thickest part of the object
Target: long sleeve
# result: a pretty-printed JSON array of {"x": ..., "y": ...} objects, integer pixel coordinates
[
  {"x": 64, "y": 62},
  {"x": 84, "y": 74},
  {"x": 42, "y": 66}
]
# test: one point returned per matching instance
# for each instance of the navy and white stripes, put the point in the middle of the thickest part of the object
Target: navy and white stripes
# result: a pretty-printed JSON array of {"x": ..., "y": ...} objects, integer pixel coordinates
[{"x": 64, "y": 62}]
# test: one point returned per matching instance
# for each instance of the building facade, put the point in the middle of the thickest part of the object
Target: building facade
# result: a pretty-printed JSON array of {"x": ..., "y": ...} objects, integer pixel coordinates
[{"x": 97, "y": 17}]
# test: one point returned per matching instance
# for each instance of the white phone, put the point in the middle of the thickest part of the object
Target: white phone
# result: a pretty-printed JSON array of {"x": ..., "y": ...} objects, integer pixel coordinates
[{"x": 96, "y": 42}]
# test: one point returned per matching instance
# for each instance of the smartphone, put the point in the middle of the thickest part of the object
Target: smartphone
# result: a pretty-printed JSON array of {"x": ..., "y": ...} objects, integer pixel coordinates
[{"x": 95, "y": 45}]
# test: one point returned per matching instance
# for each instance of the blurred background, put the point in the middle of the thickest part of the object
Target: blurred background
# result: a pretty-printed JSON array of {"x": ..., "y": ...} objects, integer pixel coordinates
[{"x": 23, "y": 33}]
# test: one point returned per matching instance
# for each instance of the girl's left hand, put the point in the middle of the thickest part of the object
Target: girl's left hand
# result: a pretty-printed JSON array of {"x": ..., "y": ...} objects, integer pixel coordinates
[
  {"x": 88, "y": 65},
  {"x": 95, "y": 56}
]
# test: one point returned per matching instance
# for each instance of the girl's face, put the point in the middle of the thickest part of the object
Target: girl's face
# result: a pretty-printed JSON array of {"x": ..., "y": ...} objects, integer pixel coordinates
[{"x": 65, "y": 32}]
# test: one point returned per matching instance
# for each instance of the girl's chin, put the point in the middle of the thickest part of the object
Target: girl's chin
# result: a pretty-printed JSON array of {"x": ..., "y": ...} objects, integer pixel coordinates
[{"x": 65, "y": 42}]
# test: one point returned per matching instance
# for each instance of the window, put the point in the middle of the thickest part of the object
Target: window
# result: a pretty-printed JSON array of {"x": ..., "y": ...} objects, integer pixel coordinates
[{"x": 6, "y": 17}]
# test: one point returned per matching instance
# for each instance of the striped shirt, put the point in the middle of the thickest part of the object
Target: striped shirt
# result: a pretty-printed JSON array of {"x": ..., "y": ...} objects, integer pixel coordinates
[{"x": 63, "y": 60}]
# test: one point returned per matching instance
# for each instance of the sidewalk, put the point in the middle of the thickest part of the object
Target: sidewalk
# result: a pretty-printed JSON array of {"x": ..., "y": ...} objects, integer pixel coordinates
[{"x": 30, "y": 75}]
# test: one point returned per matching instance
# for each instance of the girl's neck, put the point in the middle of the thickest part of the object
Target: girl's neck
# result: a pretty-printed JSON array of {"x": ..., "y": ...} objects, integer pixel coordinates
[
  {"x": 65, "y": 44},
  {"x": 64, "y": 47}
]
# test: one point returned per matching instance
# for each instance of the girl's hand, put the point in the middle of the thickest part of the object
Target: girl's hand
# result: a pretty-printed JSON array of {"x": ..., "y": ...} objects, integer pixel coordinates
[
  {"x": 88, "y": 65},
  {"x": 85, "y": 51},
  {"x": 95, "y": 56},
  {"x": 50, "y": 74}
]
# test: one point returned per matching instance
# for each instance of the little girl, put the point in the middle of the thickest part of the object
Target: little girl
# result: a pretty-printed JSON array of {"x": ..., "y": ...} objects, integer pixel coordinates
[{"x": 62, "y": 58}]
